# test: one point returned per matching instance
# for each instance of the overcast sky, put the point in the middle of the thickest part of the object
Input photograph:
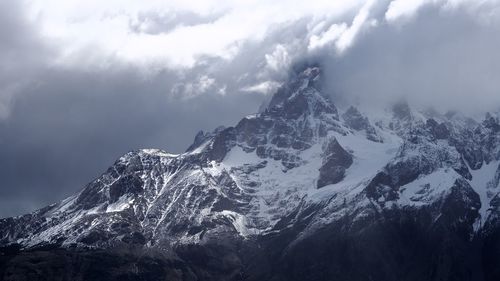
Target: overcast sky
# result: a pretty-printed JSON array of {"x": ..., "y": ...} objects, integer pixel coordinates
[{"x": 82, "y": 82}]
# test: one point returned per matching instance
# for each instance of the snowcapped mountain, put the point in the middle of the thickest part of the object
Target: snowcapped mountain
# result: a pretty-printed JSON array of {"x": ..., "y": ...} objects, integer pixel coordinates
[{"x": 303, "y": 190}]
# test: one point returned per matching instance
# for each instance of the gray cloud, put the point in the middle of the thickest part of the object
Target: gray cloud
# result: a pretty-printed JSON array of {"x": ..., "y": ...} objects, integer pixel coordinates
[
  {"x": 21, "y": 53},
  {"x": 155, "y": 23},
  {"x": 445, "y": 58}
]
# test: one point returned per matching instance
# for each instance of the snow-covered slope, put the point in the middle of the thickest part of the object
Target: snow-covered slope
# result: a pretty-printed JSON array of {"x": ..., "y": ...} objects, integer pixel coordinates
[{"x": 299, "y": 162}]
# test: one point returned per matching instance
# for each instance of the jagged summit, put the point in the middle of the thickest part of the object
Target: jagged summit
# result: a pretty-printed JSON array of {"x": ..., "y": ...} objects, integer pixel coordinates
[
  {"x": 310, "y": 78},
  {"x": 295, "y": 169}
]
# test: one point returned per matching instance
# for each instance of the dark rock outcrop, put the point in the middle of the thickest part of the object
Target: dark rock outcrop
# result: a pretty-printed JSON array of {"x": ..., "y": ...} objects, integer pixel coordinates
[{"x": 336, "y": 162}]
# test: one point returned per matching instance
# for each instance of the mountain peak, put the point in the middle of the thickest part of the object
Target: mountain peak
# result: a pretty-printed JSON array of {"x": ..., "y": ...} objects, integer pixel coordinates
[
  {"x": 302, "y": 94},
  {"x": 289, "y": 171},
  {"x": 309, "y": 77}
]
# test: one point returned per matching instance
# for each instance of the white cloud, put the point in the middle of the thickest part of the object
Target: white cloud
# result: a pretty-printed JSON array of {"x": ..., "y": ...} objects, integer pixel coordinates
[
  {"x": 347, "y": 37},
  {"x": 227, "y": 45},
  {"x": 201, "y": 85},
  {"x": 333, "y": 33},
  {"x": 403, "y": 8},
  {"x": 92, "y": 31},
  {"x": 341, "y": 35},
  {"x": 106, "y": 26},
  {"x": 266, "y": 87},
  {"x": 279, "y": 60}
]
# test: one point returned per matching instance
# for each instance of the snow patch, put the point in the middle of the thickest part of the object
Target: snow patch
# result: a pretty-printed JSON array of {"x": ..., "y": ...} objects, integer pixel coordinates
[
  {"x": 483, "y": 184},
  {"x": 428, "y": 188},
  {"x": 159, "y": 152},
  {"x": 240, "y": 223},
  {"x": 121, "y": 204}
]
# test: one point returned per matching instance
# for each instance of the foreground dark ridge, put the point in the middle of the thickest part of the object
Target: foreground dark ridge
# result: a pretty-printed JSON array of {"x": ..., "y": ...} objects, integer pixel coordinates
[{"x": 302, "y": 191}]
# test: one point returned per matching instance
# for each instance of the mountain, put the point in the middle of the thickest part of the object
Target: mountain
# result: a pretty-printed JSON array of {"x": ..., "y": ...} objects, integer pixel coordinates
[{"x": 304, "y": 190}]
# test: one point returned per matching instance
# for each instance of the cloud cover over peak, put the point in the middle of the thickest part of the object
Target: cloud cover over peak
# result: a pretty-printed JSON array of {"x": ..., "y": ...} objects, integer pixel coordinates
[{"x": 82, "y": 82}]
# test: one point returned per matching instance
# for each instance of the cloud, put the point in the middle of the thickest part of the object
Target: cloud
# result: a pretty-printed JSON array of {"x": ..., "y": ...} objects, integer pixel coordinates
[
  {"x": 347, "y": 37},
  {"x": 406, "y": 8},
  {"x": 173, "y": 32},
  {"x": 268, "y": 87},
  {"x": 441, "y": 57},
  {"x": 334, "y": 32},
  {"x": 21, "y": 51},
  {"x": 279, "y": 59},
  {"x": 157, "y": 23}
]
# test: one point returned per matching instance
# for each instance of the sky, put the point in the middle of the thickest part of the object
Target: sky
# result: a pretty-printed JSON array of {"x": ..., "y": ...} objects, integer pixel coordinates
[{"x": 83, "y": 82}]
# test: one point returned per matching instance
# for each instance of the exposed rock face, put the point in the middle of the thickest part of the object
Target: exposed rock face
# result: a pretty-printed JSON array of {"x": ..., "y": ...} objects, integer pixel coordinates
[
  {"x": 295, "y": 192},
  {"x": 438, "y": 131},
  {"x": 353, "y": 119},
  {"x": 335, "y": 164}
]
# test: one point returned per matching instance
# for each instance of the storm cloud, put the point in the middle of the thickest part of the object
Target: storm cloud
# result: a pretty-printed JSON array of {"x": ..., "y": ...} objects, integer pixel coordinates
[{"x": 81, "y": 83}]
